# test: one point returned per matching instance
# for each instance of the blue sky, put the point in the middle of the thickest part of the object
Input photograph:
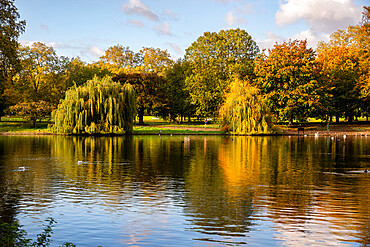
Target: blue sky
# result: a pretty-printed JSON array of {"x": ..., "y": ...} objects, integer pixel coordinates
[{"x": 86, "y": 28}]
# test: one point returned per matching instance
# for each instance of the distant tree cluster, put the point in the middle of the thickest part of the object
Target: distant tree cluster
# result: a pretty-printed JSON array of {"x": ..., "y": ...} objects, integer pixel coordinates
[{"x": 223, "y": 75}]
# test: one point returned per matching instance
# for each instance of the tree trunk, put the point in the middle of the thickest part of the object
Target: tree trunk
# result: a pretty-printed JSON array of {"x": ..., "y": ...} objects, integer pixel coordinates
[
  {"x": 350, "y": 118},
  {"x": 290, "y": 119},
  {"x": 141, "y": 116}
]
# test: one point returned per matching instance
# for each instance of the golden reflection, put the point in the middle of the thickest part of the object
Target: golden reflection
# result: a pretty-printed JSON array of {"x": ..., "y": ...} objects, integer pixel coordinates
[{"x": 232, "y": 179}]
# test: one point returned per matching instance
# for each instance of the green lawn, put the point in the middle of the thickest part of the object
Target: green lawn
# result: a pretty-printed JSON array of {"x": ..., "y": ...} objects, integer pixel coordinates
[
  {"x": 16, "y": 124},
  {"x": 22, "y": 127},
  {"x": 155, "y": 130},
  {"x": 151, "y": 121},
  {"x": 152, "y": 126}
]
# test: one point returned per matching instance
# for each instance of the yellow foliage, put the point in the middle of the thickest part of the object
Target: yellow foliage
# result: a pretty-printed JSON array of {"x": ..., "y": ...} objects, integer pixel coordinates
[{"x": 244, "y": 110}]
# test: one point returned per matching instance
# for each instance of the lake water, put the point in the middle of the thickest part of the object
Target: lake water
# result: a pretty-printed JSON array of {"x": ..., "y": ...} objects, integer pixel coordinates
[{"x": 189, "y": 190}]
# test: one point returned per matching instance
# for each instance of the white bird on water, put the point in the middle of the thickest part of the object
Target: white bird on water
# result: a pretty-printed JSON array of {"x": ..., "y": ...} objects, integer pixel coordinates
[
  {"x": 79, "y": 162},
  {"x": 21, "y": 168}
]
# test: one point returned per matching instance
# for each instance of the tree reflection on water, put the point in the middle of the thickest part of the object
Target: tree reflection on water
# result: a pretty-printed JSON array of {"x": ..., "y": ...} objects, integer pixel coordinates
[{"x": 231, "y": 190}]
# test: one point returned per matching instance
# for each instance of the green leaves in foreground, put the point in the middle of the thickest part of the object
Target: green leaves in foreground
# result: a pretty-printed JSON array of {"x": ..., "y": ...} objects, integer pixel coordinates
[
  {"x": 12, "y": 235},
  {"x": 99, "y": 107}
]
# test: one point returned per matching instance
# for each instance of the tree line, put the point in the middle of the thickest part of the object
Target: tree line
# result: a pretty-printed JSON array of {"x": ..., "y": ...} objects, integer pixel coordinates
[{"x": 223, "y": 75}]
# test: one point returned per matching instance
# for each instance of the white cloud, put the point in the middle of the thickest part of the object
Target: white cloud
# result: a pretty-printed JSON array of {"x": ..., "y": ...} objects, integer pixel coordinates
[
  {"x": 322, "y": 15},
  {"x": 55, "y": 45},
  {"x": 86, "y": 50},
  {"x": 139, "y": 8},
  {"x": 163, "y": 29},
  {"x": 96, "y": 51},
  {"x": 270, "y": 41},
  {"x": 26, "y": 42},
  {"x": 136, "y": 23},
  {"x": 231, "y": 19},
  {"x": 311, "y": 37},
  {"x": 58, "y": 45}
]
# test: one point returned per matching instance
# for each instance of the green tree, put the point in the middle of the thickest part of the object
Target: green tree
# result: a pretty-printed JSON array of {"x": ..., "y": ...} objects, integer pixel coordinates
[
  {"x": 79, "y": 72},
  {"x": 179, "y": 97},
  {"x": 287, "y": 78},
  {"x": 150, "y": 92},
  {"x": 244, "y": 110},
  {"x": 214, "y": 59},
  {"x": 10, "y": 29},
  {"x": 99, "y": 107}
]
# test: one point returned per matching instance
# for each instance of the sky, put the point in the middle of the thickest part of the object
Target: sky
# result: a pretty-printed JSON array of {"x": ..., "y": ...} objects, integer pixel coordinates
[{"x": 86, "y": 28}]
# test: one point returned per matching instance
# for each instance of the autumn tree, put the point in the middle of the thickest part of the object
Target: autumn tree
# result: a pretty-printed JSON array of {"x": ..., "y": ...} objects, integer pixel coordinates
[
  {"x": 32, "y": 111},
  {"x": 340, "y": 74},
  {"x": 119, "y": 59},
  {"x": 287, "y": 78},
  {"x": 364, "y": 34},
  {"x": 214, "y": 59},
  {"x": 154, "y": 60},
  {"x": 244, "y": 110},
  {"x": 10, "y": 29},
  {"x": 345, "y": 63},
  {"x": 41, "y": 76},
  {"x": 150, "y": 92},
  {"x": 101, "y": 106}
]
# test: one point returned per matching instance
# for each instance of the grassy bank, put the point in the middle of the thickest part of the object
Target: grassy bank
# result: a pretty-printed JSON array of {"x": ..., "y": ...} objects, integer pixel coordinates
[
  {"x": 16, "y": 127},
  {"x": 146, "y": 130},
  {"x": 155, "y": 126}
]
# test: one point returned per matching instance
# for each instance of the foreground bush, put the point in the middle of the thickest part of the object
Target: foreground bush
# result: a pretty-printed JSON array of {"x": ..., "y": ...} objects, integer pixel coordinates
[
  {"x": 99, "y": 107},
  {"x": 12, "y": 235}
]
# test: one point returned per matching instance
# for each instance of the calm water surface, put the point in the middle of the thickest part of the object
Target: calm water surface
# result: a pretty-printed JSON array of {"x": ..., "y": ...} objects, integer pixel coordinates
[{"x": 189, "y": 190}]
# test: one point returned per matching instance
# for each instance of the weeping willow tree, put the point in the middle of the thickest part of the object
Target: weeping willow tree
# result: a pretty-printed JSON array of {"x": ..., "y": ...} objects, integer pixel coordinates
[
  {"x": 101, "y": 106},
  {"x": 244, "y": 111}
]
